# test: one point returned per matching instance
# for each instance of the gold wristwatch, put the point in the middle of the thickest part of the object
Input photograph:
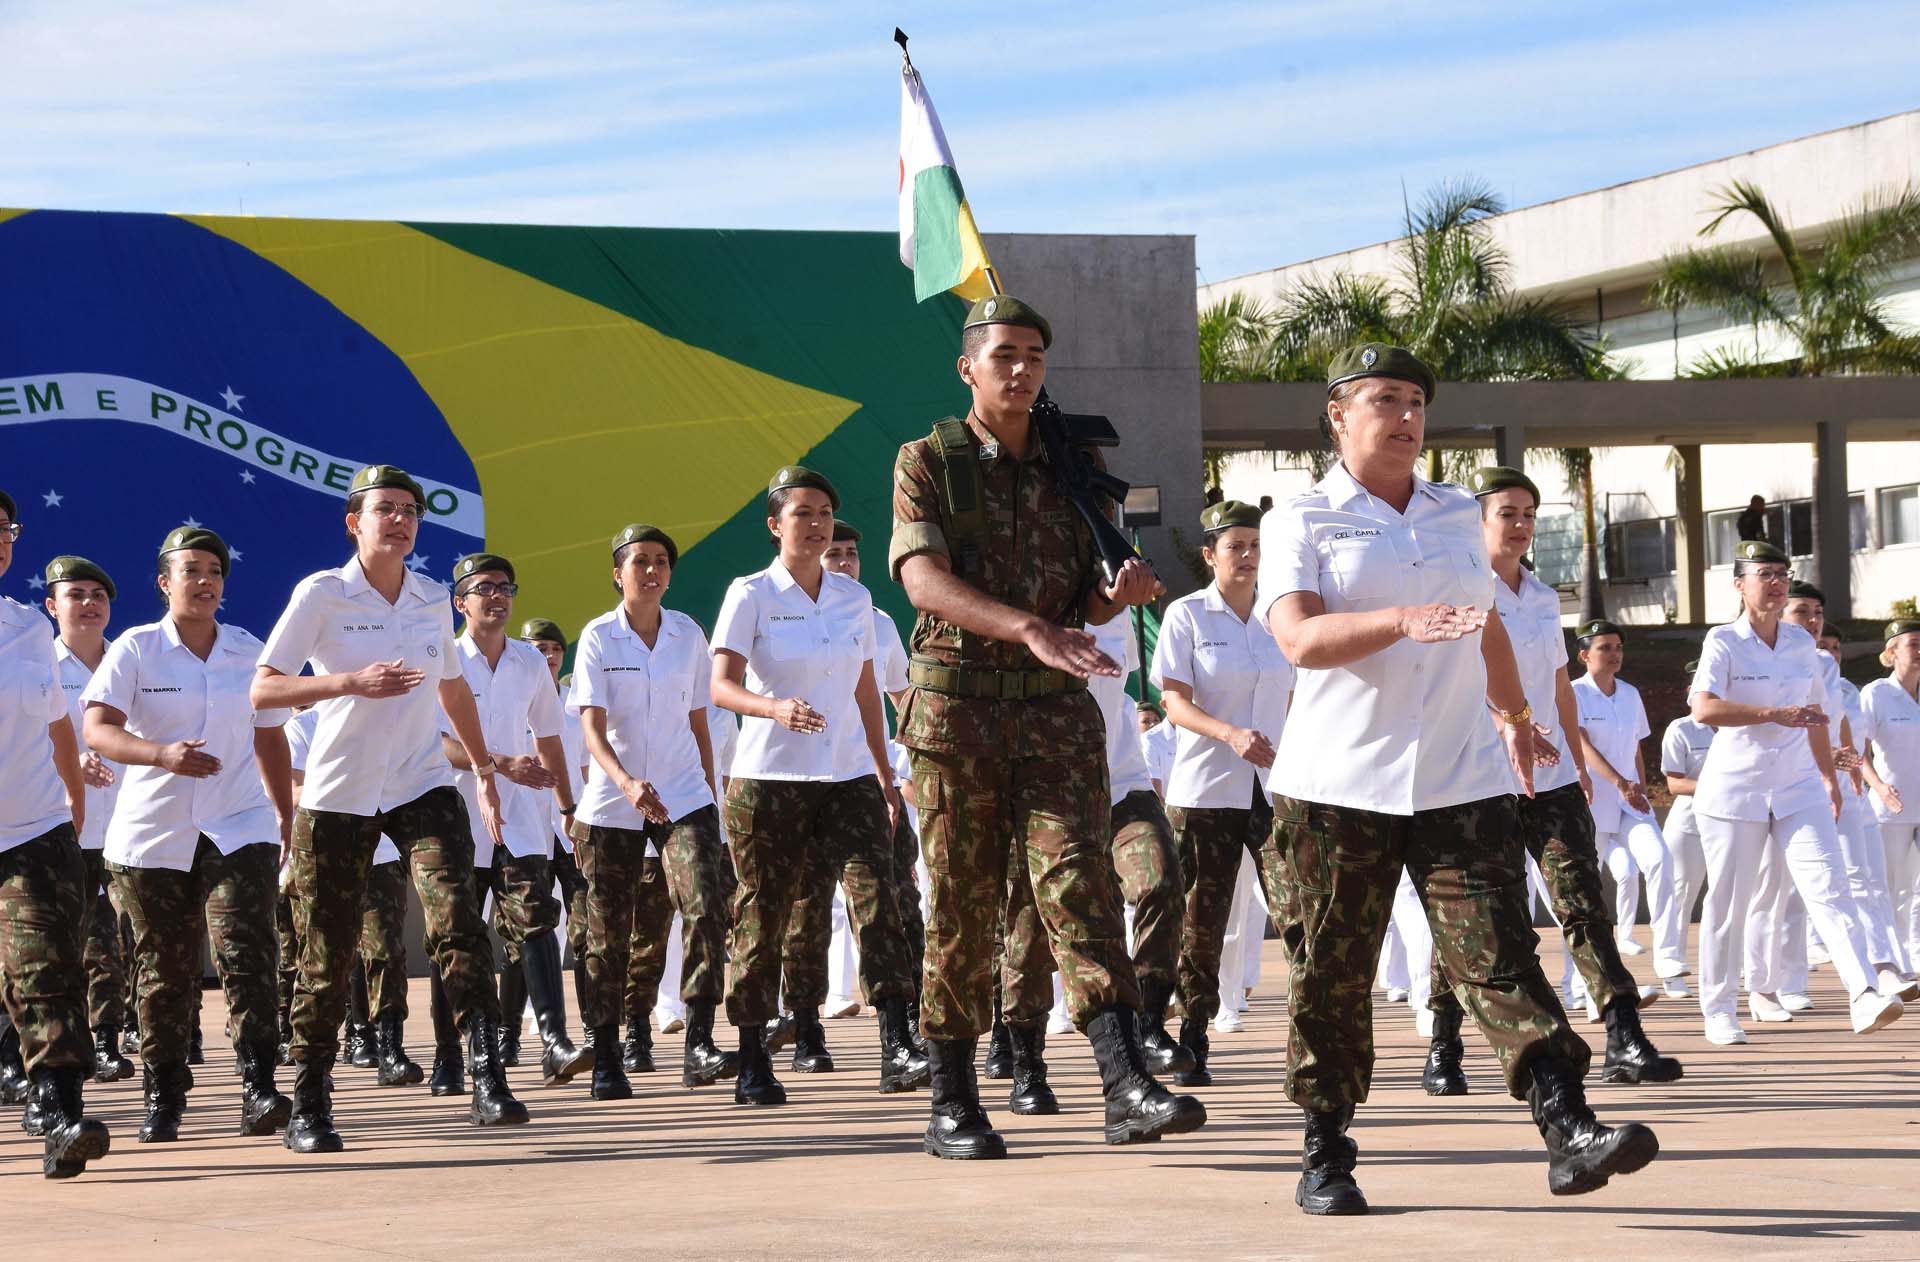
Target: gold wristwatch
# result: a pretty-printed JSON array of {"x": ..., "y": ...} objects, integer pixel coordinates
[{"x": 1515, "y": 718}]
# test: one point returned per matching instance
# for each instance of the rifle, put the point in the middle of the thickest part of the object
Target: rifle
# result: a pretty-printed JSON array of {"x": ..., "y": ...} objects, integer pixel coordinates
[{"x": 1068, "y": 439}]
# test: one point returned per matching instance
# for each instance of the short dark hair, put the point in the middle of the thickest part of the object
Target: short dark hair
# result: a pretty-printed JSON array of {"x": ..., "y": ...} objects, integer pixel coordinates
[
  {"x": 974, "y": 340},
  {"x": 673, "y": 553}
]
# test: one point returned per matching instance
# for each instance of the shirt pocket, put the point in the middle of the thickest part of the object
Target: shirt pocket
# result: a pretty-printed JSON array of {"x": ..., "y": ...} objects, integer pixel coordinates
[
  {"x": 1472, "y": 584},
  {"x": 1364, "y": 568},
  {"x": 849, "y": 637},
  {"x": 422, "y": 640},
  {"x": 789, "y": 641},
  {"x": 26, "y": 686}
]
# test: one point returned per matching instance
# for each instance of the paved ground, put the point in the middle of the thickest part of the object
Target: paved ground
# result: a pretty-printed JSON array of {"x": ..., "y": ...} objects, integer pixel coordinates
[{"x": 1804, "y": 1143}]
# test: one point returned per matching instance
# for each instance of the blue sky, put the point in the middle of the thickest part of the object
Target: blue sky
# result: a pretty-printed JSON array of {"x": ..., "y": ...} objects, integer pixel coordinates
[{"x": 1272, "y": 132}]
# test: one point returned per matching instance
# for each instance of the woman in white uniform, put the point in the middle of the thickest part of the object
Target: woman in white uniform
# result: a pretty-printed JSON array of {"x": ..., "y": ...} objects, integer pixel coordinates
[
  {"x": 1892, "y": 707},
  {"x": 205, "y": 812},
  {"x": 1225, "y": 684},
  {"x": 1769, "y": 781},
  {"x": 1683, "y": 752}
]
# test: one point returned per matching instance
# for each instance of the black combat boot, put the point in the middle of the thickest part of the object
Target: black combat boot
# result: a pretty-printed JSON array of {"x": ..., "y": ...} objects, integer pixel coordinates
[
  {"x": 560, "y": 1060},
  {"x": 702, "y": 1063},
  {"x": 389, "y": 1044},
  {"x": 810, "y": 1054},
  {"x": 609, "y": 1078},
  {"x": 108, "y": 1064},
  {"x": 756, "y": 1083},
  {"x": 1326, "y": 1166},
  {"x": 72, "y": 1138},
  {"x": 1581, "y": 1154},
  {"x": 513, "y": 1010},
  {"x": 34, "y": 1119},
  {"x": 284, "y": 1051},
  {"x": 1138, "y": 1108},
  {"x": 782, "y": 1030},
  {"x": 913, "y": 1017},
  {"x": 636, "y": 1050},
  {"x": 449, "y": 1075},
  {"x": 1443, "y": 1075},
  {"x": 959, "y": 1129},
  {"x": 1631, "y": 1055},
  {"x": 493, "y": 1102},
  {"x": 166, "y": 1099},
  {"x": 130, "y": 1033},
  {"x": 14, "y": 1084},
  {"x": 263, "y": 1110},
  {"x": 196, "y": 1046},
  {"x": 310, "y": 1126},
  {"x": 1164, "y": 1054},
  {"x": 901, "y": 1068},
  {"x": 357, "y": 1047},
  {"x": 999, "y": 1050},
  {"x": 1031, "y": 1094},
  {"x": 1193, "y": 1037}
]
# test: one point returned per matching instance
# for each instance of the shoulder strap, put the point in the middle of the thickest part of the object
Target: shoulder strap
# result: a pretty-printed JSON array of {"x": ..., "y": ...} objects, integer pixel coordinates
[{"x": 965, "y": 497}]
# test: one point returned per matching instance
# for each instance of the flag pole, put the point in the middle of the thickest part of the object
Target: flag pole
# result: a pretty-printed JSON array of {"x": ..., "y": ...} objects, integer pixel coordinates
[{"x": 906, "y": 68}]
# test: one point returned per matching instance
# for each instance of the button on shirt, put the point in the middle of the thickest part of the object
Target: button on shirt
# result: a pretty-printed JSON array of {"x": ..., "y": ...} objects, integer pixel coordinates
[
  {"x": 648, "y": 694},
  {"x": 1405, "y": 729},
  {"x": 369, "y": 754},
  {"x": 1239, "y": 676},
  {"x": 74, "y": 675},
  {"x": 798, "y": 647},
  {"x": 1126, "y": 760},
  {"x": 299, "y": 742},
  {"x": 1616, "y": 725},
  {"x": 33, "y": 799},
  {"x": 1893, "y": 725},
  {"x": 1761, "y": 769},
  {"x": 1532, "y": 619},
  {"x": 168, "y": 694},
  {"x": 1683, "y": 752},
  {"x": 517, "y": 705}
]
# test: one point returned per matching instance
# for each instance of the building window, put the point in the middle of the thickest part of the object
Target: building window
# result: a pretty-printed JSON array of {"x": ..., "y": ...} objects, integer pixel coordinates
[
  {"x": 1558, "y": 549},
  {"x": 1640, "y": 549},
  {"x": 1723, "y": 536},
  {"x": 1790, "y": 526},
  {"x": 1899, "y": 515}
]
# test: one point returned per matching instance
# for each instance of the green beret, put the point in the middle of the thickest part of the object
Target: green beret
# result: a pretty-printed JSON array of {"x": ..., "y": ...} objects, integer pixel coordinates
[
  {"x": 1006, "y": 309},
  {"x": 387, "y": 475},
  {"x": 1598, "y": 627},
  {"x": 70, "y": 569},
  {"x": 800, "y": 475},
  {"x": 640, "y": 532},
  {"x": 1899, "y": 627},
  {"x": 479, "y": 563},
  {"x": 1801, "y": 590},
  {"x": 542, "y": 629},
  {"x": 1759, "y": 550},
  {"x": 197, "y": 539},
  {"x": 1498, "y": 477},
  {"x": 1227, "y": 514},
  {"x": 6, "y": 502},
  {"x": 845, "y": 532},
  {"x": 1378, "y": 359}
]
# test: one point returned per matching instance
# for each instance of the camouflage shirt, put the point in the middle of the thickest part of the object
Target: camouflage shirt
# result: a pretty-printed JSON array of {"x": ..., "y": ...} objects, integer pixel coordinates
[{"x": 1037, "y": 555}]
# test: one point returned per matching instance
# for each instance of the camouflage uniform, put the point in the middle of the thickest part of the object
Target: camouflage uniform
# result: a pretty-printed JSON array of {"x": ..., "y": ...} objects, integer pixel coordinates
[
  {"x": 691, "y": 858},
  {"x": 804, "y": 962},
  {"x": 652, "y": 922},
  {"x": 100, "y": 931},
  {"x": 228, "y": 897},
  {"x": 383, "y": 942},
  {"x": 573, "y": 891},
  {"x": 1211, "y": 840},
  {"x": 1148, "y": 863},
  {"x": 41, "y": 977},
  {"x": 906, "y": 888},
  {"x": 524, "y": 904},
  {"x": 1469, "y": 867},
  {"x": 289, "y": 943},
  {"x": 1000, "y": 780}
]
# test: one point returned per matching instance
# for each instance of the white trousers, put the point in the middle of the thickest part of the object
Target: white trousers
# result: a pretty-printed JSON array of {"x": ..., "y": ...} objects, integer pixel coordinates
[
  {"x": 667, "y": 1007},
  {"x": 1898, "y": 843},
  {"x": 1737, "y": 879},
  {"x": 1246, "y": 934},
  {"x": 843, "y": 957},
  {"x": 1639, "y": 850},
  {"x": 1866, "y": 859},
  {"x": 1689, "y": 863}
]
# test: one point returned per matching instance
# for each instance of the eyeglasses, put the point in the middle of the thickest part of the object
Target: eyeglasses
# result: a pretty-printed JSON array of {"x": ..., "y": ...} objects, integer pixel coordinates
[
  {"x": 489, "y": 588},
  {"x": 386, "y": 508},
  {"x": 1771, "y": 575},
  {"x": 11, "y": 530}
]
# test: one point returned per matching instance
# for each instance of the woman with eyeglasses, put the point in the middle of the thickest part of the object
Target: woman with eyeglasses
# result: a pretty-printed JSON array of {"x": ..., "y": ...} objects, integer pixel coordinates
[
  {"x": 1892, "y": 708},
  {"x": 1769, "y": 781}
]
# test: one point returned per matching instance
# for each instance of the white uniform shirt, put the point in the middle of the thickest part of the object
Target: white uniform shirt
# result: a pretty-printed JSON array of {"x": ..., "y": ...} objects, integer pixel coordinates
[
  {"x": 299, "y": 742},
  {"x": 1239, "y": 676},
  {"x": 1405, "y": 729},
  {"x": 1893, "y": 724},
  {"x": 1845, "y": 699},
  {"x": 902, "y": 760},
  {"x": 1683, "y": 752},
  {"x": 33, "y": 799},
  {"x": 1532, "y": 619},
  {"x": 369, "y": 754},
  {"x": 1616, "y": 725},
  {"x": 723, "y": 731},
  {"x": 74, "y": 676},
  {"x": 1157, "y": 743},
  {"x": 798, "y": 647},
  {"x": 1762, "y": 769},
  {"x": 168, "y": 694},
  {"x": 517, "y": 705},
  {"x": 575, "y": 745},
  {"x": 648, "y": 694},
  {"x": 889, "y": 655},
  {"x": 1126, "y": 761}
]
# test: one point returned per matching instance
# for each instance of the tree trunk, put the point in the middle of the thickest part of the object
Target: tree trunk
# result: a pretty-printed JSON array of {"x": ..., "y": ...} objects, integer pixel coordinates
[{"x": 1593, "y": 599}]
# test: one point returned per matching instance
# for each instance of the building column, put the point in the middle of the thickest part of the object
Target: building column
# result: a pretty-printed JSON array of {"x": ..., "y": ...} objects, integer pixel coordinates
[
  {"x": 1690, "y": 538},
  {"x": 1510, "y": 446},
  {"x": 1832, "y": 532}
]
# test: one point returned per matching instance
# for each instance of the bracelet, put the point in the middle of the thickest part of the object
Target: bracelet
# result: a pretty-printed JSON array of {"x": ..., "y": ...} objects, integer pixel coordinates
[
  {"x": 1517, "y": 717},
  {"x": 486, "y": 768},
  {"x": 568, "y": 810}
]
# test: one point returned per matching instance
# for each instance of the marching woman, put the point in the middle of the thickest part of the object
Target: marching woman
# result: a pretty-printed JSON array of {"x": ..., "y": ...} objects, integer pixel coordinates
[
  {"x": 194, "y": 846},
  {"x": 374, "y": 632},
  {"x": 1769, "y": 782},
  {"x": 1377, "y": 586},
  {"x": 793, "y": 652},
  {"x": 1225, "y": 684},
  {"x": 1683, "y": 752},
  {"x": 42, "y": 813},
  {"x": 640, "y": 677},
  {"x": 1892, "y": 708}
]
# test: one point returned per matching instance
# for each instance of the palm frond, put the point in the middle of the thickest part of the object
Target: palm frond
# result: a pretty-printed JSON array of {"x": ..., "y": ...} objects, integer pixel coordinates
[
  {"x": 1727, "y": 362},
  {"x": 1733, "y": 281},
  {"x": 1883, "y": 231},
  {"x": 1234, "y": 333},
  {"x": 1744, "y": 195},
  {"x": 1516, "y": 339}
]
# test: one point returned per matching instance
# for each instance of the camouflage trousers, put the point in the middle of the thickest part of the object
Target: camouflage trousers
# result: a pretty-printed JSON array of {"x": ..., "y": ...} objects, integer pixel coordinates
[
  {"x": 691, "y": 857},
  {"x": 782, "y": 829},
  {"x": 383, "y": 940},
  {"x": 1211, "y": 840},
  {"x": 987, "y": 817},
  {"x": 332, "y": 859},
  {"x": 105, "y": 962},
  {"x": 1557, "y": 829},
  {"x": 289, "y": 942},
  {"x": 226, "y": 897},
  {"x": 573, "y": 893},
  {"x": 524, "y": 904},
  {"x": 1469, "y": 867},
  {"x": 42, "y": 980},
  {"x": 647, "y": 957},
  {"x": 804, "y": 956}
]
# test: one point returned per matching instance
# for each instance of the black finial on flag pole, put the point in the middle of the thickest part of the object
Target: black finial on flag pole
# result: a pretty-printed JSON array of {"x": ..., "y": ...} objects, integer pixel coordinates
[{"x": 900, "y": 38}]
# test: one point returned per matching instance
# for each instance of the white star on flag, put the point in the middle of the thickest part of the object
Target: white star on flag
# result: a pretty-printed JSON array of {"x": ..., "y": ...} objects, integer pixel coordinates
[
  {"x": 52, "y": 499},
  {"x": 37, "y": 583},
  {"x": 246, "y": 475},
  {"x": 233, "y": 554},
  {"x": 191, "y": 522},
  {"x": 232, "y": 400},
  {"x": 418, "y": 563}
]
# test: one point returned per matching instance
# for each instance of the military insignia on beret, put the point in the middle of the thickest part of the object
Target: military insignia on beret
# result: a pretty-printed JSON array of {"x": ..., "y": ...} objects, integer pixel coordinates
[
  {"x": 1369, "y": 357},
  {"x": 59, "y": 570},
  {"x": 993, "y": 304}
]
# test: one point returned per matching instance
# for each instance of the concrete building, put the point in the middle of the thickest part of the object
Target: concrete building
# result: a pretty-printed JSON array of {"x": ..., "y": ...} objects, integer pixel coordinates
[{"x": 1595, "y": 255}]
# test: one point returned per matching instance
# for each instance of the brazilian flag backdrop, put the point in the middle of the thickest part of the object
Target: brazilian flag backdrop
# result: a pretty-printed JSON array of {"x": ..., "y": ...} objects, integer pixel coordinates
[{"x": 547, "y": 385}]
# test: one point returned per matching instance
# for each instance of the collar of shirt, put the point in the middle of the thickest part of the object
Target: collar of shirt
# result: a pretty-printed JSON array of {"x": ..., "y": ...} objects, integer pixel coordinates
[
  {"x": 422, "y": 590},
  {"x": 1342, "y": 489},
  {"x": 668, "y": 629}
]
